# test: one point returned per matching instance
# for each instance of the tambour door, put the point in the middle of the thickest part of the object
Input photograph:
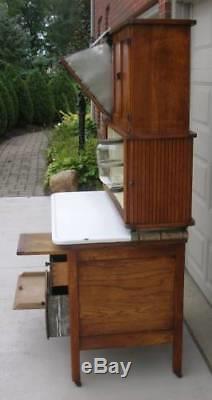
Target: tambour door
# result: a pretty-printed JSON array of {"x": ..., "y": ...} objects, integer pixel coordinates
[{"x": 158, "y": 182}]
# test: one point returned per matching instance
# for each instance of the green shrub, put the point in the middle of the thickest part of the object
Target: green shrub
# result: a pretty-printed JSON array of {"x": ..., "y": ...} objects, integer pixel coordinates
[
  {"x": 8, "y": 102},
  {"x": 8, "y": 70},
  {"x": 70, "y": 125},
  {"x": 64, "y": 93},
  {"x": 25, "y": 102},
  {"x": 69, "y": 158},
  {"x": 42, "y": 100},
  {"x": 63, "y": 153},
  {"x": 3, "y": 117},
  {"x": 90, "y": 126},
  {"x": 61, "y": 105}
]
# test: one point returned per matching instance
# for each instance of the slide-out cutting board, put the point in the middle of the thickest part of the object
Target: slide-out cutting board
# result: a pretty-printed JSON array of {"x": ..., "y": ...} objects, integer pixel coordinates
[{"x": 30, "y": 291}]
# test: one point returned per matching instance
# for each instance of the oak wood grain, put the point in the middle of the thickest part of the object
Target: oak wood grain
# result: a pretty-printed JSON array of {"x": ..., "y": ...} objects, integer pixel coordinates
[
  {"x": 178, "y": 312},
  {"x": 126, "y": 340},
  {"x": 74, "y": 316},
  {"x": 30, "y": 291},
  {"x": 158, "y": 187},
  {"x": 38, "y": 244},
  {"x": 126, "y": 295},
  {"x": 59, "y": 274},
  {"x": 151, "y": 95}
]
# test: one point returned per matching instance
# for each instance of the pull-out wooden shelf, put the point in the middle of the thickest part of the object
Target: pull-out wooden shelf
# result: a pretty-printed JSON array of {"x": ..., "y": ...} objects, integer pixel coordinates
[
  {"x": 38, "y": 244},
  {"x": 30, "y": 291}
]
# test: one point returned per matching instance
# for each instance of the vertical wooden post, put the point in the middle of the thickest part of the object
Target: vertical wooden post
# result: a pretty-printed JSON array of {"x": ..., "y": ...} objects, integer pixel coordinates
[
  {"x": 178, "y": 311},
  {"x": 74, "y": 316}
]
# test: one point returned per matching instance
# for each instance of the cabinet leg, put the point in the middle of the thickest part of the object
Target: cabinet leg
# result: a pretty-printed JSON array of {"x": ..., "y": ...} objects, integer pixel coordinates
[
  {"x": 177, "y": 367},
  {"x": 74, "y": 317},
  {"x": 178, "y": 313},
  {"x": 177, "y": 353},
  {"x": 75, "y": 366}
]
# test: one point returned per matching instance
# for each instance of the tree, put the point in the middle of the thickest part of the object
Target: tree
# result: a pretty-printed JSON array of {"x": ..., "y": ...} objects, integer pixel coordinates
[
  {"x": 69, "y": 29},
  {"x": 31, "y": 17},
  {"x": 13, "y": 42},
  {"x": 53, "y": 27}
]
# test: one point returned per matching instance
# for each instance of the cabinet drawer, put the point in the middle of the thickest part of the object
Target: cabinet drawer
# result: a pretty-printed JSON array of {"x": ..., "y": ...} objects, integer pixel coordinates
[{"x": 59, "y": 274}]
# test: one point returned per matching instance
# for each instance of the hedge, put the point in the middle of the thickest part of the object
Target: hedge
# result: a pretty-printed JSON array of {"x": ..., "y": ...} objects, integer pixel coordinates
[
  {"x": 42, "y": 99},
  {"x": 26, "y": 111},
  {"x": 9, "y": 105},
  {"x": 12, "y": 91},
  {"x": 3, "y": 117},
  {"x": 8, "y": 75},
  {"x": 64, "y": 93}
]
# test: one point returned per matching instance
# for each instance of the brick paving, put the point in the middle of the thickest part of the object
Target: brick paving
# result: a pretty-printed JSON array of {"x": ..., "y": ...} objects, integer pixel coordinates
[{"x": 22, "y": 164}]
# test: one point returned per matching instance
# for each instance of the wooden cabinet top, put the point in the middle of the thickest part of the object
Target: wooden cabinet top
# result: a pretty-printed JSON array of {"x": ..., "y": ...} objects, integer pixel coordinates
[
  {"x": 150, "y": 21},
  {"x": 151, "y": 78}
]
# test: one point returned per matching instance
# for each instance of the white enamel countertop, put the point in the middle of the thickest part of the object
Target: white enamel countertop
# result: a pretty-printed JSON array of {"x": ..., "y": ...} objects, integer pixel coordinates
[{"x": 80, "y": 217}]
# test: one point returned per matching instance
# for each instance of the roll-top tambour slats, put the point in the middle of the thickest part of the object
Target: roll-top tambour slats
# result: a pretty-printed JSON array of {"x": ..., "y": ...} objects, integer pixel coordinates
[{"x": 159, "y": 186}]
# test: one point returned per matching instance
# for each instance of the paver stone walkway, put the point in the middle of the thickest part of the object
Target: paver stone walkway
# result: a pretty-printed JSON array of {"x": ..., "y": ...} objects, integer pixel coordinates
[{"x": 22, "y": 164}]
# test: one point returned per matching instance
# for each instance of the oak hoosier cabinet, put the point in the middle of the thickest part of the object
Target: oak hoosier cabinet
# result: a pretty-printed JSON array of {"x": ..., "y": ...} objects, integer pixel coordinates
[
  {"x": 150, "y": 71},
  {"x": 125, "y": 282}
]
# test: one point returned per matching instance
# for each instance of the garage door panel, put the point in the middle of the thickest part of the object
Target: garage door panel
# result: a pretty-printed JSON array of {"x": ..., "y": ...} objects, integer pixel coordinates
[
  {"x": 210, "y": 191},
  {"x": 201, "y": 76},
  {"x": 200, "y": 96},
  {"x": 202, "y": 59},
  {"x": 201, "y": 177},
  {"x": 203, "y": 142},
  {"x": 209, "y": 272},
  {"x": 202, "y": 216},
  {"x": 202, "y": 32},
  {"x": 197, "y": 249},
  {"x": 204, "y": 285}
]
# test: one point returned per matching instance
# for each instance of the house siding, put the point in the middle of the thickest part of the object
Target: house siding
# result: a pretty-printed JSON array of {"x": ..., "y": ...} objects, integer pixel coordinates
[{"x": 112, "y": 13}]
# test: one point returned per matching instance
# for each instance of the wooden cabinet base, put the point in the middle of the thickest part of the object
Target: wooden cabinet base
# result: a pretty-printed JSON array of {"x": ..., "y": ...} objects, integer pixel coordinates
[
  {"x": 121, "y": 294},
  {"x": 126, "y": 295}
]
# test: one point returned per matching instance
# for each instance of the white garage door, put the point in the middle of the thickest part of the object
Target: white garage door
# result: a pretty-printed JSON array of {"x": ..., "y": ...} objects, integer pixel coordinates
[{"x": 199, "y": 252}]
